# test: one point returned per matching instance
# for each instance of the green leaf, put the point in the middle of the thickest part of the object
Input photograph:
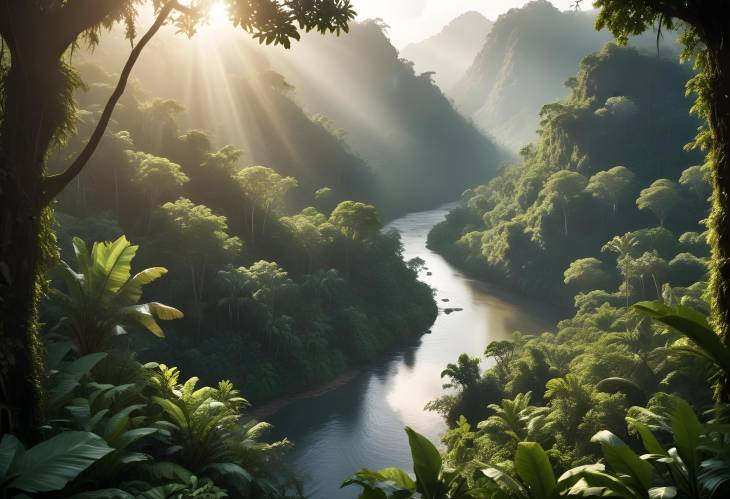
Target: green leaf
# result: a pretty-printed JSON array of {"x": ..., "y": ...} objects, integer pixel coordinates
[
  {"x": 131, "y": 292},
  {"x": 573, "y": 475},
  {"x": 231, "y": 469},
  {"x": 129, "y": 437},
  {"x": 623, "y": 460},
  {"x": 662, "y": 493},
  {"x": 398, "y": 476},
  {"x": 174, "y": 412},
  {"x": 165, "y": 470},
  {"x": 506, "y": 483},
  {"x": 687, "y": 431},
  {"x": 533, "y": 467},
  {"x": 10, "y": 450},
  {"x": 51, "y": 464},
  {"x": 144, "y": 315},
  {"x": 691, "y": 324},
  {"x": 599, "y": 484},
  {"x": 426, "y": 463},
  {"x": 651, "y": 444}
]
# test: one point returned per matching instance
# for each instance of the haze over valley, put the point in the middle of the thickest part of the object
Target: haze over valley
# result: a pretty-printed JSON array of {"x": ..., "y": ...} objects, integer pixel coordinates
[{"x": 374, "y": 249}]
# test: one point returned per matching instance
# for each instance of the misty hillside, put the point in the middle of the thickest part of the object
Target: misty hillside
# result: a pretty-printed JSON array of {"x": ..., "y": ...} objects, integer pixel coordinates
[
  {"x": 451, "y": 51},
  {"x": 252, "y": 109},
  {"x": 398, "y": 121},
  {"x": 528, "y": 55}
]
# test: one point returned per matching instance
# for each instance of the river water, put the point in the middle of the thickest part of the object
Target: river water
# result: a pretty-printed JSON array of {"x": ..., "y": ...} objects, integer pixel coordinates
[{"x": 361, "y": 423}]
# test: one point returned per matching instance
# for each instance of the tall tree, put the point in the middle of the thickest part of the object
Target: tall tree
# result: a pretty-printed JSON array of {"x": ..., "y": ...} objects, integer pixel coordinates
[
  {"x": 659, "y": 198},
  {"x": 265, "y": 189},
  {"x": 611, "y": 186},
  {"x": 38, "y": 111},
  {"x": 705, "y": 34}
]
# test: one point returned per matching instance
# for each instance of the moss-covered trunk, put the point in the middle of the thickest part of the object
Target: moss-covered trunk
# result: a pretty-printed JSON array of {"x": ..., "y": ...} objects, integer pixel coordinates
[{"x": 718, "y": 100}]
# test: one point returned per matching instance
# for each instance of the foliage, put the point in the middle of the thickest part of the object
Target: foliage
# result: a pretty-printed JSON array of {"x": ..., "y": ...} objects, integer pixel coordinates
[
  {"x": 529, "y": 224},
  {"x": 49, "y": 465},
  {"x": 102, "y": 299}
]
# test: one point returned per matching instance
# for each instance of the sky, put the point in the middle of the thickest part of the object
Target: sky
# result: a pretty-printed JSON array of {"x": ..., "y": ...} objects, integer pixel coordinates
[{"x": 414, "y": 20}]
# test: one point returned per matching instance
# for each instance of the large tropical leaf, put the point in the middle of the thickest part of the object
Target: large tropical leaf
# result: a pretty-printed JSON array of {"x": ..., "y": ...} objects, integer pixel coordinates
[
  {"x": 533, "y": 467},
  {"x": 691, "y": 324},
  {"x": 651, "y": 444},
  {"x": 131, "y": 292},
  {"x": 426, "y": 463},
  {"x": 600, "y": 484},
  {"x": 506, "y": 483},
  {"x": 68, "y": 376},
  {"x": 623, "y": 460},
  {"x": 574, "y": 475},
  {"x": 112, "y": 265},
  {"x": 145, "y": 316},
  {"x": 51, "y": 464},
  {"x": 687, "y": 431}
]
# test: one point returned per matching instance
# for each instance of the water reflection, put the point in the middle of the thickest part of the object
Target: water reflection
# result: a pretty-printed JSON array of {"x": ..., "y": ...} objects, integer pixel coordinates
[{"x": 361, "y": 424}]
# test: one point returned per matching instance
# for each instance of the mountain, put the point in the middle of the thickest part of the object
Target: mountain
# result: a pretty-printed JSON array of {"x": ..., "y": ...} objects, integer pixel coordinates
[
  {"x": 452, "y": 50},
  {"x": 528, "y": 55},
  {"x": 422, "y": 151}
]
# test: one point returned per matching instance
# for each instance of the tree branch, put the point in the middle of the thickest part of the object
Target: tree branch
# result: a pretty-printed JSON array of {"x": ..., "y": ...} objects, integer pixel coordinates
[{"x": 54, "y": 184}]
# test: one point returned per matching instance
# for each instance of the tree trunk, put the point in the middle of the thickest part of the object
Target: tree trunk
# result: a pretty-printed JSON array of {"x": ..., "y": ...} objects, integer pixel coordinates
[
  {"x": 32, "y": 112},
  {"x": 718, "y": 99}
]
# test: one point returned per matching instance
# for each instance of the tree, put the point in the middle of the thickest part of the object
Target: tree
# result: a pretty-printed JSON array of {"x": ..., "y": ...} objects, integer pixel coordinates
[
  {"x": 651, "y": 266},
  {"x": 38, "y": 112},
  {"x": 697, "y": 179},
  {"x": 157, "y": 177},
  {"x": 705, "y": 32},
  {"x": 623, "y": 246},
  {"x": 102, "y": 298},
  {"x": 463, "y": 374},
  {"x": 265, "y": 189},
  {"x": 586, "y": 274},
  {"x": 356, "y": 220},
  {"x": 611, "y": 186},
  {"x": 565, "y": 185},
  {"x": 659, "y": 198},
  {"x": 196, "y": 237}
]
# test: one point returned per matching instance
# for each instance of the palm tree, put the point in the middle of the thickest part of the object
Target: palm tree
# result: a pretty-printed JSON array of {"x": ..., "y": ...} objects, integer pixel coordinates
[
  {"x": 517, "y": 419},
  {"x": 623, "y": 246},
  {"x": 102, "y": 298}
]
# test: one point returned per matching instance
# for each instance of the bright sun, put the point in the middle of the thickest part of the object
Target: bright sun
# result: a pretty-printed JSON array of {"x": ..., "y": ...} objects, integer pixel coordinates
[{"x": 218, "y": 13}]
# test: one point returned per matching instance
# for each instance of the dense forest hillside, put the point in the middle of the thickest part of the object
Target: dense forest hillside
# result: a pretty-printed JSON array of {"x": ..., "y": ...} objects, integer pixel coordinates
[
  {"x": 282, "y": 282},
  {"x": 451, "y": 51},
  {"x": 528, "y": 54},
  {"x": 397, "y": 120},
  {"x": 619, "y": 136}
]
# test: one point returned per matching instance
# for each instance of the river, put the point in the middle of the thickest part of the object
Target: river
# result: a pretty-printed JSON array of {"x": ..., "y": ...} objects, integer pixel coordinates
[{"x": 360, "y": 424}]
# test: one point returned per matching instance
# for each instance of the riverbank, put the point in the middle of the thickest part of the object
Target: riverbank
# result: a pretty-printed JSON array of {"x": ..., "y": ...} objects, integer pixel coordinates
[{"x": 272, "y": 407}]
